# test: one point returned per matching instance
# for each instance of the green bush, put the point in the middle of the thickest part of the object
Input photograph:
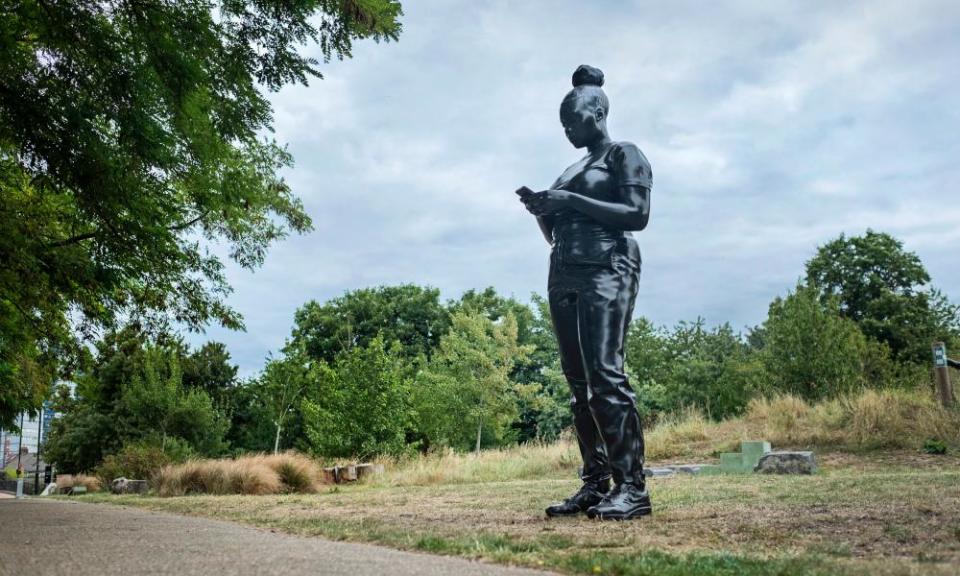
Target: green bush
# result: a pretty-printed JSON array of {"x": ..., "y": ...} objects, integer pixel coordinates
[
  {"x": 810, "y": 350},
  {"x": 359, "y": 405},
  {"x": 714, "y": 370},
  {"x": 934, "y": 446},
  {"x": 142, "y": 460}
]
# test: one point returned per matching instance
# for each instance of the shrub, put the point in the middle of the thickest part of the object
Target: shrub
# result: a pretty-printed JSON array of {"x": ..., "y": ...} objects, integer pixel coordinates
[
  {"x": 67, "y": 481},
  {"x": 934, "y": 446},
  {"x": 810, "y": 349},
  {"x": 251, "y": 475},
  {"x": 136, "y": 461},
  {"x": 297, "y": 472}
]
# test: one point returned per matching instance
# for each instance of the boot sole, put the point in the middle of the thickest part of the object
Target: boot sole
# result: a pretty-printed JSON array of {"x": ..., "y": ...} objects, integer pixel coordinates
[{"x": 645, "y": 511}]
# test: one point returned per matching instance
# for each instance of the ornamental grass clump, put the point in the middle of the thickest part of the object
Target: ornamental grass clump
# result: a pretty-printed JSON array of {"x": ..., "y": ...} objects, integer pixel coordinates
[
  {"x": 253, "y": 475},
  {"x": 298, "y": 473},
  {"x": 67, "y": 481}
]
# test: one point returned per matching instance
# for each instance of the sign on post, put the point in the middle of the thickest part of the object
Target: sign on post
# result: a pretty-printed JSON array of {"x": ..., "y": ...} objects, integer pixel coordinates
[
  {"x": 939, "y": 355},
  {"x": 944, "y": 389}
]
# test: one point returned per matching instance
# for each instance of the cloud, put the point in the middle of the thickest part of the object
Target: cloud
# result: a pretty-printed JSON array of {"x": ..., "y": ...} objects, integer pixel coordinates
[{"x": 772, "y": 127}]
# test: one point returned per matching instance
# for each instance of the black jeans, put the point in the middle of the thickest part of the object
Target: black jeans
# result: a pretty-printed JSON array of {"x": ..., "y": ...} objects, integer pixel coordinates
[{"x": 592, "y": 288}]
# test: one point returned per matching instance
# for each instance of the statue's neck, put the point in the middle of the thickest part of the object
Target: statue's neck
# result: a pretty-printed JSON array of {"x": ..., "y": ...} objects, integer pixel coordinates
[{"x": 599, "y": 143}]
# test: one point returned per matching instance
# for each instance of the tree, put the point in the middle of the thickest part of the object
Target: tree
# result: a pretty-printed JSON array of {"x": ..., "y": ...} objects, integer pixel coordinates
[
  {"x": 284, "y": 382},
  {"x": 884, "y": 289},
  {"x": 545, "y": 413},
  {"x": 132, "y": 392},
  {"x": 209, "y": 369},
  {"x": 408, "y": 314},
  {"x": 465, "y": 393},
  {"x": 810, "y": 349},
  {"x": 131, "y": 136},
  {"x": 712, "y": 369},
  {"x": 155, "y": 402},
  {"x": 360, "y": 406},
  {"x": 251, "y": 424}
]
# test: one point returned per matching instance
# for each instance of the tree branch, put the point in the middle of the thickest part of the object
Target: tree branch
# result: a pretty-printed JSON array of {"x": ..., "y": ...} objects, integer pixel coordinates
[
  {"x": 179, "y": 227},
  {"x": 73, "y": 240}
]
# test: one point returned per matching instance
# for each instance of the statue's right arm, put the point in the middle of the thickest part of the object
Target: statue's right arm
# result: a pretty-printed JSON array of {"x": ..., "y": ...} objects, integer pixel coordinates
[{"x": 546, "y": 226}]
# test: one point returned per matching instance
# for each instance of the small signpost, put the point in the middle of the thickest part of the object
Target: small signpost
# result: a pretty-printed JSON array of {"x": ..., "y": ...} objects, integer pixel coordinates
[{"x": 940, "y": 368}]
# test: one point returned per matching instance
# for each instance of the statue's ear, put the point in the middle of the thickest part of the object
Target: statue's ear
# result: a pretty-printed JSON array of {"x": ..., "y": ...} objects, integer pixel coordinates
[{"x": 599, "y": 114}]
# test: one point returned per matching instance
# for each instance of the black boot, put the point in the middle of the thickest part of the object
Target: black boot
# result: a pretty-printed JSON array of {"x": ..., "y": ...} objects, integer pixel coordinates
[
  {"x": 624, "y": 502},
  {"x": 589, "y": 494}
]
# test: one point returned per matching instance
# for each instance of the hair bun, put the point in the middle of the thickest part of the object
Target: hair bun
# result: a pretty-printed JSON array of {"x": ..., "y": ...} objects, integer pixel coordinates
[{"x": 587, "y": 75}]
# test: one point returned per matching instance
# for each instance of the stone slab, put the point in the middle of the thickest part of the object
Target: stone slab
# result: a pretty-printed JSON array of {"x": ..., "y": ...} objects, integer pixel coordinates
[{"x": 787, "y": 463}]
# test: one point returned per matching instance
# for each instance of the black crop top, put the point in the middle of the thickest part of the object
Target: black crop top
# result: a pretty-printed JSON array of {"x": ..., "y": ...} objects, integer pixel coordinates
[{"x": 600, "y": 176}]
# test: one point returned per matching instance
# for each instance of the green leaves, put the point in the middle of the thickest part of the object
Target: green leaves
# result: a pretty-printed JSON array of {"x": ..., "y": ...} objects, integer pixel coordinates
[
  {"x": 884, "y": 289},
  {"x": 360, "y": 405},
  {"x": 810, "y": 349},
  {"x": 129, "y": 133},
  {"x": 408, "y": 314},
  {"x": 139, "y": 390},
  {"x": 692, "y": 365},
  {"x": 466, "y": 388}
]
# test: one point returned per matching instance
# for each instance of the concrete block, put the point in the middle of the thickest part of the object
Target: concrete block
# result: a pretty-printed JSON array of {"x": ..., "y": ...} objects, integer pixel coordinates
[
  {"x": 752, "y": 452},
  {"x": 731, "y": 463}
]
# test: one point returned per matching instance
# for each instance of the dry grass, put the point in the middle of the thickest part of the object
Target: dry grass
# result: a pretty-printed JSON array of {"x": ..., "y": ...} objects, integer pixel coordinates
[
  {"x": 869, "y": 420},
  {"x": 679, "y": 434},
  {"x": 67, "y": 481},
  {"x": 254, "y": 475},
  {"x": 889, "y": 419},
  {"x": 528, "y": 461}
]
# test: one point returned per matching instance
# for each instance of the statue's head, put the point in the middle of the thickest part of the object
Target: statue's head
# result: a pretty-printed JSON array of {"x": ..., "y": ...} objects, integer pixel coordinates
[{"x": 583, "y": 111}]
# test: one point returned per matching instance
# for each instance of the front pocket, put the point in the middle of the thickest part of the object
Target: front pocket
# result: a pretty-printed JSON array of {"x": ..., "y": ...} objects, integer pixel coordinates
[{"x": 587, "y": 252}]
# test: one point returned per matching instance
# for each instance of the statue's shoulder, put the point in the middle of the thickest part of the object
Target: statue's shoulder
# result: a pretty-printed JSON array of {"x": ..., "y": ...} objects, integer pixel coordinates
[
  {"x": 627, "y": 152},
  {"x": 628, "y": 160}
]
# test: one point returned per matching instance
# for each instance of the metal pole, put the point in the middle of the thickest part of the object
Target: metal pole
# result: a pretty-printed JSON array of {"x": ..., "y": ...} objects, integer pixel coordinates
[
  {"x": 19, "y": 469},
  {"x": 20, "y": 443},
  {"x": 940, "y": 363},
  {"x": 36, "y": 472}
]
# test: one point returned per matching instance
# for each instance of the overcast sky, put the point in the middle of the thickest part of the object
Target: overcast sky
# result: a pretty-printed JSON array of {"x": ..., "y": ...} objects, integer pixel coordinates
[{"x": 772, "y": 127}]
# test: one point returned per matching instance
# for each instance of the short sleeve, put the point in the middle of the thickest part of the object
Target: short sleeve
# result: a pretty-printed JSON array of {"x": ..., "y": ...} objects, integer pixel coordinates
[{"x": 631, "y": 166}]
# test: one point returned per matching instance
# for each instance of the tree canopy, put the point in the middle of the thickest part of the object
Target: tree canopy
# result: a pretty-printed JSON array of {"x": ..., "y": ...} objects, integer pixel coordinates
[
  {"x": 408, "y": 314},
  {"x": 885, "y": 290},
  {"x": 133, "y": 135}
]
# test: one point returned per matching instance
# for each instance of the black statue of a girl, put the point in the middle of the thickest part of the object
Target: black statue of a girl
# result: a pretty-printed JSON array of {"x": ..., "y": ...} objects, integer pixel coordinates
[{"x": 587, "y": 216}]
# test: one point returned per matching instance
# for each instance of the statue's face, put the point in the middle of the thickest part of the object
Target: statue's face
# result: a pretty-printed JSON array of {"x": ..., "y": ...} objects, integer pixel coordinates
[{"x": 581, "y": 121}]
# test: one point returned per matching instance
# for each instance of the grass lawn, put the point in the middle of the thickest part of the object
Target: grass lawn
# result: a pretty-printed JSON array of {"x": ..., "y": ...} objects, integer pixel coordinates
[{"x": 878, "y": 513}]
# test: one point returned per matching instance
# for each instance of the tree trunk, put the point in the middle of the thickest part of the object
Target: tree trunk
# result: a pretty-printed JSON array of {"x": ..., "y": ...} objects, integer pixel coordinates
[
  {"x": 479, "y": 429},
  {"x": 276, "y": 442}
]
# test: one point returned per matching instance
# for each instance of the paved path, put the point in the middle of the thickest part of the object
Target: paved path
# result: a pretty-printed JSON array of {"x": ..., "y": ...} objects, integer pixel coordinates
[{"x": 57, "y": 537}]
